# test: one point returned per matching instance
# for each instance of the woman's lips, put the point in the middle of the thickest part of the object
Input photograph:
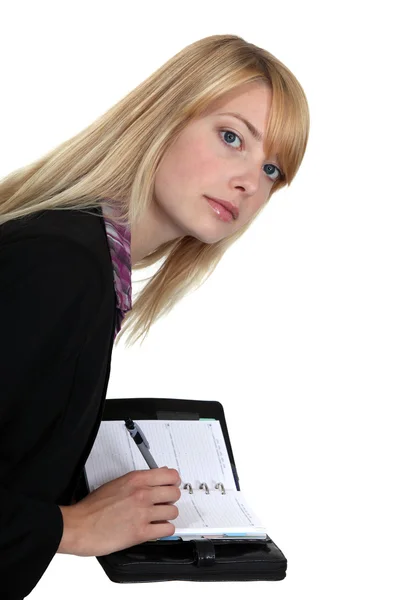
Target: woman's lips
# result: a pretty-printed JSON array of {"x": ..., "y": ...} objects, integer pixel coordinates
[{"x": 223, "y": 213}]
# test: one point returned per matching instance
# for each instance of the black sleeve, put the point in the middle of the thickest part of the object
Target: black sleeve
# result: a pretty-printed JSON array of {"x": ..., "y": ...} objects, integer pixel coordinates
[{"x": 48, "y": 290}]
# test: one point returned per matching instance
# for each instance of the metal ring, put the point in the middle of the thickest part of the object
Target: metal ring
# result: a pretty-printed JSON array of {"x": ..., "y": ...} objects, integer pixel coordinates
[
  {"x": 187, "y": 486},
  {"x": 220, "y": 486},
  {"x": 204, "y": 486}
]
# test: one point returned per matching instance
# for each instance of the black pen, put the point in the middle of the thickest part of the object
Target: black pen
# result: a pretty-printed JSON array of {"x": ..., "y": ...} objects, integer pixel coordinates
[{"x": 140, "y": 440}]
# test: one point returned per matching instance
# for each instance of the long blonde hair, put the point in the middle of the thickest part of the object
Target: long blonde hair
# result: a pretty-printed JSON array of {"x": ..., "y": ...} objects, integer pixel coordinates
[{"x": 115, "y": 159}]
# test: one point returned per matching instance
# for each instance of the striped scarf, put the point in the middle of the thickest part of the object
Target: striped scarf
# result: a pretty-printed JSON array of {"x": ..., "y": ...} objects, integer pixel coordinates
[{"x": 119, "y": 242}]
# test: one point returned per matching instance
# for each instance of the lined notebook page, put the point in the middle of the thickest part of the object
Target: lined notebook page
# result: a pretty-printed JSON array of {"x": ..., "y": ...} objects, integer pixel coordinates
[
  {"x": 196, "y": 449},
  {"x": 201, "y": 513}
]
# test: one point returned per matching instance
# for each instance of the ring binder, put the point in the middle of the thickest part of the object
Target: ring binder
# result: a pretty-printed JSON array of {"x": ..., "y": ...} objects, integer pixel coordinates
[
  {"x": 221, "y": 558},
  {"x": 203, "y": 486},
  {"x": 220, "y": 486}
]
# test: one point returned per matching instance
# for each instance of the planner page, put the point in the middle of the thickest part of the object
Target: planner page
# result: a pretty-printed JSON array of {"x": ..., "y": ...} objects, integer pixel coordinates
[
  {"x": 201, "y": 513},
  {"x": 196, "y": 449}
]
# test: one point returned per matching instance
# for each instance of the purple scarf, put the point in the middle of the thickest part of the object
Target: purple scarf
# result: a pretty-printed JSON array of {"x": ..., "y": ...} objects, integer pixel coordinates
[{"x": 119, "y": 242}]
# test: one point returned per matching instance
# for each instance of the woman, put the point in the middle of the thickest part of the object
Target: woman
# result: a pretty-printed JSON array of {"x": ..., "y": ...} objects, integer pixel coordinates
[{"x": 177, "y": 170}]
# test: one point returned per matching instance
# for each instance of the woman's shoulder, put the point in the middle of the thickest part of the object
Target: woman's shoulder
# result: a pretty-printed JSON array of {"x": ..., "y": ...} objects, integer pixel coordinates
[
  {"x": 60, "y": 221},
  {"x": 79, "y": 229}
]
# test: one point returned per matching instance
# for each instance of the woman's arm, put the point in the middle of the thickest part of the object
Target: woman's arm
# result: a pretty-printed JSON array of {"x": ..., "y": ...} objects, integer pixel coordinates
[{"x": 47, "y": 285}]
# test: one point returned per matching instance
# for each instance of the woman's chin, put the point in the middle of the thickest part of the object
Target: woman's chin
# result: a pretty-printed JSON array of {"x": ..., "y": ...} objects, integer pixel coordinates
[{"x": 208, "y": 237}]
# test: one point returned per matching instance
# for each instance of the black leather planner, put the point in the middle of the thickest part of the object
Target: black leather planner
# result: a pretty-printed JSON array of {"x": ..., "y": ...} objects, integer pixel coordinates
[{"x": 201, "y": 558}]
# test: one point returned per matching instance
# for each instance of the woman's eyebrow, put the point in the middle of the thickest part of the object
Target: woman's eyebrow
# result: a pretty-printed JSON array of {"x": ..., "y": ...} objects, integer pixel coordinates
[{"x": 254, "y": 132}]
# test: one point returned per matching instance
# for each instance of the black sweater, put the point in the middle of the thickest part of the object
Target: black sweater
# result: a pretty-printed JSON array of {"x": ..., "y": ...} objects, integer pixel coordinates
[{"x": 57, "y": 315}]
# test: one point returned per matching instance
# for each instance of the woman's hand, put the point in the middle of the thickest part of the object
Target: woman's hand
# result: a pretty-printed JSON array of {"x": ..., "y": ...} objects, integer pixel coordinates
[{"x": 126, "y": 511}]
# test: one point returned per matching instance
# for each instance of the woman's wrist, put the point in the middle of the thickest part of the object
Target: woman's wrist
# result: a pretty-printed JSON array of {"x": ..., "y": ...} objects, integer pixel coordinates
[{"x": 72, "y": 531}]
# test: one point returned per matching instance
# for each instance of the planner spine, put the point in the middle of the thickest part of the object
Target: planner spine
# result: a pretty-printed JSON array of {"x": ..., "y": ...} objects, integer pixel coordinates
[{"x": 204, "y": 486}]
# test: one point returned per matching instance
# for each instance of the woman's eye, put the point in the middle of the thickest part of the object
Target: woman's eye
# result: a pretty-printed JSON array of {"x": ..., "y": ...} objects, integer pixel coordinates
[
  {"x": 271, "y": 170},
  {"x": 230, "y": 134}
]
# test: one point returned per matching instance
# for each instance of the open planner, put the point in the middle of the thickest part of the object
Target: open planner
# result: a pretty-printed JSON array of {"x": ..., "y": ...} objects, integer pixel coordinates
[
  {"x": 218, "y": 536},
  {"x": 210, "y": 505}
]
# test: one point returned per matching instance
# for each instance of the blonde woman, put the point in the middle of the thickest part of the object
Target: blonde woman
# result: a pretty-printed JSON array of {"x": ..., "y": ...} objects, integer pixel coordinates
[{"x": 177, "y": 170}]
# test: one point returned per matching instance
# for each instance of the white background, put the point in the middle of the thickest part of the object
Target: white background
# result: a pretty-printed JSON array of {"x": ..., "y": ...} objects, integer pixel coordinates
[{"x": 297, "y": 331}]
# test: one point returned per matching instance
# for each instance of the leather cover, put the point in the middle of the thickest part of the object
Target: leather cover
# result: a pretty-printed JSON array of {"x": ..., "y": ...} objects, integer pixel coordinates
[{"x": 194, "y": 560}]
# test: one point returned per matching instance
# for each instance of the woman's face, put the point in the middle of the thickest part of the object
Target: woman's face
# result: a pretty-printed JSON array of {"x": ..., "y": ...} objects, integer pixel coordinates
[{"x": 218, "y": 157}]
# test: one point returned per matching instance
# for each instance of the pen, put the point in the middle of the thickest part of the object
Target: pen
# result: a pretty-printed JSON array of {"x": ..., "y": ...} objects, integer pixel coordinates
[{"x": 140, "y": 440}]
